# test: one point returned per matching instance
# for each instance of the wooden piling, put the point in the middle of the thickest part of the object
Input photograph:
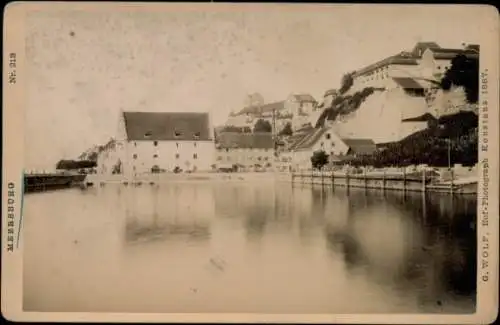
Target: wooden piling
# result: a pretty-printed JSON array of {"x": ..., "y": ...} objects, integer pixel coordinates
[
  {"x": 404, "y": 180},
  {"x": 364, "y": 177},
  {"x": 423, "y": 181},
  {"x": 383, "y": 181},
  {"x": 347, "y": 178}
]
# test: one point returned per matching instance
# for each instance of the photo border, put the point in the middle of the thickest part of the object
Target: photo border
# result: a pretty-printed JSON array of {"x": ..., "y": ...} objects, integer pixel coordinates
[{"x": 13, "y": 162}]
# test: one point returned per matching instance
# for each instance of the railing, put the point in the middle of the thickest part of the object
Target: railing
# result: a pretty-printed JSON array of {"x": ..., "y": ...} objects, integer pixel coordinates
[{"x": 396, "y": 180}]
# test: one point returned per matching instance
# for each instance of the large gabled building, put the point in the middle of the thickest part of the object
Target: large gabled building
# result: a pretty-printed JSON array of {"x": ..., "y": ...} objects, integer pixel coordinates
[{"x": 160, "y": 141}]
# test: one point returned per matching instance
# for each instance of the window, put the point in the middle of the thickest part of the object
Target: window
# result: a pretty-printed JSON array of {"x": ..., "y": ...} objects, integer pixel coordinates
[
  {"x": 155, "y": 156},
  {"x": 177, "y": 134},
  {"x": 135, "y": 144},
  {"x": 155, "y": 143},
  {"x": 148, "y": 134},
  {"x": 333, "y": 144},
  {"x": 227, "y": 149},
  {"x": 195, "y": 156},
  {"x": 134, "y": 156},
  {"x": 259, "y": 158},
  {"x": 197, "y": 135},
  {"x": 177, "y": 144},
  {"x": 322, "y": 144},
  {"x": 328, "y": 136},
  {"x": 266, "y": 158},
  {"x": 219, "y": 158},
  {"x": 176, "y": 156}
]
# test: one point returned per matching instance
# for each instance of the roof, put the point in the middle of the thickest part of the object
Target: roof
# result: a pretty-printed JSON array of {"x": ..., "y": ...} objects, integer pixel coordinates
[
  {"x": 422, "y": 118},
  {"x": 310, "y": 139},
  {"x": 235, "y": 140},
  {"x": 411, "y": 58},
  {"x": 360, "y": 146},
  {"x": 408, "y": 83},
  {"x": 330, "y": 92},
  {"x": 422, "y": 46},
  {"x": 167, "y": 126},
  {"x": 263, "y": 108},
  {"x": 304, "y": 98},
  {"x": 448, "y": 54},
  {"x": 400, "y": 59}
]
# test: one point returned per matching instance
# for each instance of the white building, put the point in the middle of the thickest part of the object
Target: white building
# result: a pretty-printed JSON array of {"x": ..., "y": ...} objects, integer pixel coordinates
[
  {"x": 245, "y": 150},
  {"x": 151, "y": 142},
  {"x": 427, "y": 60},
  {"x": 324, "y": 139}
]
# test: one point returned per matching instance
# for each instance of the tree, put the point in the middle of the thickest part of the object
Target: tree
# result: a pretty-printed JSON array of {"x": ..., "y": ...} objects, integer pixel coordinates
[
  {"x": 262, "y": 126},
  {"x": 346, "y": 82},
  {"x": 75, "y": 164},
  {"x": 287, "y": 130},
  {"x": 464, "y": 71},
  {"x": 319, "y": 159}
]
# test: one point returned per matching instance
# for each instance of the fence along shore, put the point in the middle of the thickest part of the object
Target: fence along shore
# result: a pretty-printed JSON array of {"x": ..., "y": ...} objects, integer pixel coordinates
[{"x": 420, "y": 181}]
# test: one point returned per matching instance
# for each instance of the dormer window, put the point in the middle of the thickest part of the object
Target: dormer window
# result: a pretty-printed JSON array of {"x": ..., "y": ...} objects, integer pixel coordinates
[
  {"x": 148, "y": 134},
  {"x": 197, "y": 135},
  {"x": 177, "y": 134}
]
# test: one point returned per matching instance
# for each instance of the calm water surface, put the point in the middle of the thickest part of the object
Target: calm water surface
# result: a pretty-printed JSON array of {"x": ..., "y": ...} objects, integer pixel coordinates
[{"x": 235, "y": 247}]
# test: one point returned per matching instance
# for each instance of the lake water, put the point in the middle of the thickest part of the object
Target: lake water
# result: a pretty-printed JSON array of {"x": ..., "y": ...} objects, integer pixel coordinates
[{"x": 251, "y": 248}]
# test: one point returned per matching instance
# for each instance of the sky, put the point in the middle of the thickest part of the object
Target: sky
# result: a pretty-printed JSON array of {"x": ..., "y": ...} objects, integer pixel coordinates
[{"x": 84, "y": 67}]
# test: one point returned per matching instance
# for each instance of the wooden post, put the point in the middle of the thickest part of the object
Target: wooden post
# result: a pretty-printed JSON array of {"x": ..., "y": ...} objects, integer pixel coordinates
[
  {"x": 347, "y": 178},
  {"x": 364, "y": 176},
  {"x": 333, "y": 179},
  {"x": 404, "y": 180},
  {"x": 312, "y": 176},
  {"x": 322, "y": 178},
  {"x": 423, "y": 181},
  {"x": 451, "y": 181},
  {"x": 383, "y": 181}
]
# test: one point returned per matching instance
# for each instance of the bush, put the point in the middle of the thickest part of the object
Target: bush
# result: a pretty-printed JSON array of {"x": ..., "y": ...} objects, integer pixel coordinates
[
  {"x": 262, "y": 126},
  {"x": 319, "y": 159}
]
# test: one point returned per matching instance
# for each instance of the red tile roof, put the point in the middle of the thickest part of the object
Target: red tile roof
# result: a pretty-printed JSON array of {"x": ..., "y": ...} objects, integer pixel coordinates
[
  {"x": 360, "y": 146},
  {"x": 233, "y": 140},
  {"x": 309, "y": 140},
  {"x": 408, "y": 83},
  {"x": 166, "y": 126},
  {"x": 304, "y": 98}
]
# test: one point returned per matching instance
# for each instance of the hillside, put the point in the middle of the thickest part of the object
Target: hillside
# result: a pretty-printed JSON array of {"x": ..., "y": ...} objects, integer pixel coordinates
[{"x": 375, "y": 114}]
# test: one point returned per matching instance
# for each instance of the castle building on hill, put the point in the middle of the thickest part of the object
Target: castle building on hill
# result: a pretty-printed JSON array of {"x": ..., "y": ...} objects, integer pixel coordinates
[
  {"x": 297, "y": 109},
  {"x": 427, "y": 61}
]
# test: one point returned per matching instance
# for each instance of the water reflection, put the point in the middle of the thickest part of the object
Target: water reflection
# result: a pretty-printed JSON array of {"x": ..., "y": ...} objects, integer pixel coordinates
[
  {"x": 150, "y": 216},
  {"x": 240, "y": 247}
]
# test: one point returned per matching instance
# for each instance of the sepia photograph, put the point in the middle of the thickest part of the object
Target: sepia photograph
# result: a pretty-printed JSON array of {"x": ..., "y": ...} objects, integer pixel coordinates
[{"x": 251, "y": 159}]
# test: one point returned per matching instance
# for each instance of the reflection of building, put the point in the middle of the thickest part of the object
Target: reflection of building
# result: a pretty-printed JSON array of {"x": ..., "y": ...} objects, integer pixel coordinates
[
  {"x": 162, "y": 141},
  {"x": 176, "y": 211},
  {"x": 244, "y": 149},
  {"x": 427, "y": 60}
]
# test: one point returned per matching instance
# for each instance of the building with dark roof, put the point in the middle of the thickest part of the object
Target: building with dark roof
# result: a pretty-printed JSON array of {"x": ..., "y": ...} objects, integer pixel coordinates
[
  {"x": 162, "y": 141},
  {"x": 245, "y": 150}
]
